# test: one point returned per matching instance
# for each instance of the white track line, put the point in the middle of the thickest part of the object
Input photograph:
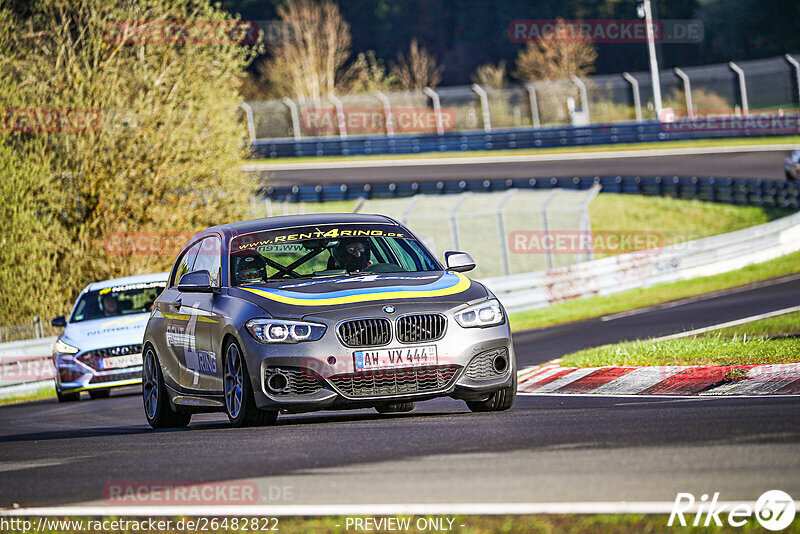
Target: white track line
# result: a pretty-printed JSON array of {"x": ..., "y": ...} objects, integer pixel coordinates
[
  {"x": 728, "y": 324},
  {"x": 339, "y": 510},
  {"x": 527, "y": 158}
]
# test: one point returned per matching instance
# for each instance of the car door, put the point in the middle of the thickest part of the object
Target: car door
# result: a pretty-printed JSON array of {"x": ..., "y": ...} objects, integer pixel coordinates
[
  {"x": 169, "y": 308},
  {"x": 203, "y": 360}
]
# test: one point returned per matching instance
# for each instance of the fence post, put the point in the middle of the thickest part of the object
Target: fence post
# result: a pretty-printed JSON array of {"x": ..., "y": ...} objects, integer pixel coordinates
[
  {"x": 585, "y": 223},
  {"x": 584, "y": 97},
  {"x": 501, "y": 228},
  {"x": 534, "y": 105},
  {"x": 487, "y": 119},
  {"x": 687, "y": 89},
  {"x": 742, "y": 87},
  {"x": 793, "y": 62},
  {"x": 437, "y": 109},
  {"x": 637, "y": 99},
  {"x": 387, "y": 112},
  {"x": 288, "y": 102},
  {"x": 546, "y": 228},
  {"x": 453, "y": 219},
  {"x": 340, "y": 121},
  {"x": 251, "y": 125}
]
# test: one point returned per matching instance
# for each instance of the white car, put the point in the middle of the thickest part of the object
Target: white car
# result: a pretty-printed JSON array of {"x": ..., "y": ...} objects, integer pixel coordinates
[
  {"x": 792, "y": 166},
  {"x": 101, "y": 346}
]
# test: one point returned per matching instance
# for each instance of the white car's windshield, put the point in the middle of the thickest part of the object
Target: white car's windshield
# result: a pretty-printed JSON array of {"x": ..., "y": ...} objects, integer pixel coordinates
[{"x": 125, "y": 299}]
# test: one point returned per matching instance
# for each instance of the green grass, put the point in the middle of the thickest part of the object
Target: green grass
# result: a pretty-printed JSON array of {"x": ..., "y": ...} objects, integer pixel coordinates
[
  {"x": 576, "y": 310},
  {"x": 737, "y": 345},
  {"x": 45, "y": 392},
  {"x": 701, "y": 350},
  {"x": 786, "y": 324},
  {"x": 674, "y": 220},
  {"x": 534, "y": 524},
  {"x": 743, "y": 141}
]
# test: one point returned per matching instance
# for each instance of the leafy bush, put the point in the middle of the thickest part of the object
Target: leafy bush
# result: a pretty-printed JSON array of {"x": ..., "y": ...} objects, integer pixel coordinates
[{"x": 164, "y": 155}]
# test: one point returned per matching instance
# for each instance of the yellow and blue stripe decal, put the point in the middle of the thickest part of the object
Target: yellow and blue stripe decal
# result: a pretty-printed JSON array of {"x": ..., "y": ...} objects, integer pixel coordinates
[{"x": 449, "y": 284}]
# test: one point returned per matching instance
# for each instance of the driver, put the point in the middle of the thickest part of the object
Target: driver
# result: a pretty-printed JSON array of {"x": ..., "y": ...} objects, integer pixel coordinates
[
  {"x": 351, "y": 254},
  {"x": 110, "y": 305},
  {"x": 251, "y": 269}
]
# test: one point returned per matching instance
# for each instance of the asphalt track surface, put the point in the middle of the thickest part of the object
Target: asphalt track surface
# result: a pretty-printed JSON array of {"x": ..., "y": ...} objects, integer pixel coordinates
[
  {"x": 764, "y": 164},
  {"x": 545, "y": 449}
]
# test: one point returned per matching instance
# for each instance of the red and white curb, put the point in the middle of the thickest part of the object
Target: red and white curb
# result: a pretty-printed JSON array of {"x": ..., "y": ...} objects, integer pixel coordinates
[{"x": 773, "y": 379}]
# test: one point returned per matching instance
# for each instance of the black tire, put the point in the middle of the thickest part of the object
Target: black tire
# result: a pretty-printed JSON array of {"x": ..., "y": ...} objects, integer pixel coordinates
[
  {"x": 68, "y": 397},
  {"x": 240, "y": 404},
  {"x": 498, "y": 401},
  {"x": 395, "y": 407},
  {"x": 99, "y": 393},
  {"x": 789, "y": 176},
  {"x": 157, "y": 409}
]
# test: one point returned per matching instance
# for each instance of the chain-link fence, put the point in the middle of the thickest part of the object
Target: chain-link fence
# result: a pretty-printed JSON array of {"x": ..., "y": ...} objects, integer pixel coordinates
[
  {"x": 768, "y": 85},
  {"x": 509, "y": 232},
  {"x": 35, "y": 329}
]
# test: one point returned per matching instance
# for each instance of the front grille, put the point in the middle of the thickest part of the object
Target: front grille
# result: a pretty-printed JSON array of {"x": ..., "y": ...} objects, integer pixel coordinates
[
  {"x": 395, "y": 381},
  {"x": 92, "y": 358},
  {"x": 481, "y": 367},
  {"x": 365, "y": 332},
  {"x": 299, "y": 382},
  {"x": 117, "y": 376},
  {"x": 422, "y": 327}
]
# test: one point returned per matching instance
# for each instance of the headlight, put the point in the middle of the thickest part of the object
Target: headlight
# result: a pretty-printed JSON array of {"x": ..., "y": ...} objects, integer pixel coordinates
[
  {"x": 487, "y": 313},
  {"x": 280, "y": 331},
  {"x": 62, "y": 348}
]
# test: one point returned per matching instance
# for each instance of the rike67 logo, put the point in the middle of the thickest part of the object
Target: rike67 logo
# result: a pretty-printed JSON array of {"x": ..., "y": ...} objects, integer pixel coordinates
[{"x": 774, "y": 510}]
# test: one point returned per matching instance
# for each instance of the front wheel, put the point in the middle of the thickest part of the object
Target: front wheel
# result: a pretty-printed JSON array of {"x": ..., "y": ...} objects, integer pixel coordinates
[
  {"x": 498, "y": 401},
  {"x": 240, "y": 404},
  {"x": 67, "y": 397},
  {"x": 99, "y": 393},
  {"x": 157, "y": 410},
  {"x": 790, "y": 177}
]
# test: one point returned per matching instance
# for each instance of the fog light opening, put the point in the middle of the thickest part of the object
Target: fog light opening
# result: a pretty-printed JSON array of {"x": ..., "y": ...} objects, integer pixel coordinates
[
  {"x": 500, "y": 364},
  {"x": 277, "y": 382}
]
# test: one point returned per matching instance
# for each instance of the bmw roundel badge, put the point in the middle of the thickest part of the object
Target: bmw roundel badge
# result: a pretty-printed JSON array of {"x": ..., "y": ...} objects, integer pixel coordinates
[{"x": 388, "y": 309}]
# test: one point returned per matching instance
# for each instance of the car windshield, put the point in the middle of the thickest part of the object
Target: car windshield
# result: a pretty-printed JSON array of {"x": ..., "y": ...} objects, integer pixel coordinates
[
  {"x": 326, "y": 250},
  {"x": 128, "y": 299}
]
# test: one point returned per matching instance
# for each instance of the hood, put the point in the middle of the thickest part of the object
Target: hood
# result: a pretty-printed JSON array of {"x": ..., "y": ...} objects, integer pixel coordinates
[
  {"x": 291, "y": 299},
  {"x": 106, "y": 332}
]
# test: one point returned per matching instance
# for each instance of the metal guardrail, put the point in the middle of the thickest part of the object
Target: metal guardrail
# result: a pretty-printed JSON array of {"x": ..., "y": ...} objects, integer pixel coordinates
[
  {"x": 634, "y": 132},
  {"x": 743, "y": 192},
  {"x": 682, "y": 261}
]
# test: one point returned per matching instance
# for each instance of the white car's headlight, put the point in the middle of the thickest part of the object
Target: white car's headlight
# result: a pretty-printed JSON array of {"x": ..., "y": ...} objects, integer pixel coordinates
[
  {"x": 487, "y": 313},
  {"x": 62, "y": 348},
  {"x": 281, "y": 331}
]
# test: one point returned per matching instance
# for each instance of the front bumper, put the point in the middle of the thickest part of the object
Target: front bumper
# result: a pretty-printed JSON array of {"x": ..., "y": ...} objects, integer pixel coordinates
[
  {"x": 322, "y": 374},
  {"x": 74, "y": 375}
]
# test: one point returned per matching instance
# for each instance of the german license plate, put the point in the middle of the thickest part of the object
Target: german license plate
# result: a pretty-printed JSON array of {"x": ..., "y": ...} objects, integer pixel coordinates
[
  {"x": 366, "y": 360},
  {"x": 117, "y": 362}
]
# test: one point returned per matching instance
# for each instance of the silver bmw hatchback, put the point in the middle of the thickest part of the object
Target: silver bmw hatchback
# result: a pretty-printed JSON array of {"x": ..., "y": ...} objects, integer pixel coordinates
[{"x": 321, "y": 312}]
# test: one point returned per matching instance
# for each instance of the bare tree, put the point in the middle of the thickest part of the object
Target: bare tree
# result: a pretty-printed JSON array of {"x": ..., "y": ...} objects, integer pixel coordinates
[
  {"x": 418, "y": 69},
  {"x": 366, "y": 74},
  {"x": 489, "y": 75},
  {"x": 555, "y": 59},
  {"x": 308, "y": 63}
]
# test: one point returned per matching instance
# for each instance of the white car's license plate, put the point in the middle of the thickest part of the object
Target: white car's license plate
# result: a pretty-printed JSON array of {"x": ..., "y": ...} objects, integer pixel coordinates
[
  {"x": 116, "y": 362},
  {"x": 366, "y": 360}
]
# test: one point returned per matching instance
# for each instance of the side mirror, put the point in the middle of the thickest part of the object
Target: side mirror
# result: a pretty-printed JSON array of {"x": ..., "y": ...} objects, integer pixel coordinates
[
  {"x": 59, "y": 321},
  {"x": 196, "y": 282},
  {"x": 459, "y": 262}
]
